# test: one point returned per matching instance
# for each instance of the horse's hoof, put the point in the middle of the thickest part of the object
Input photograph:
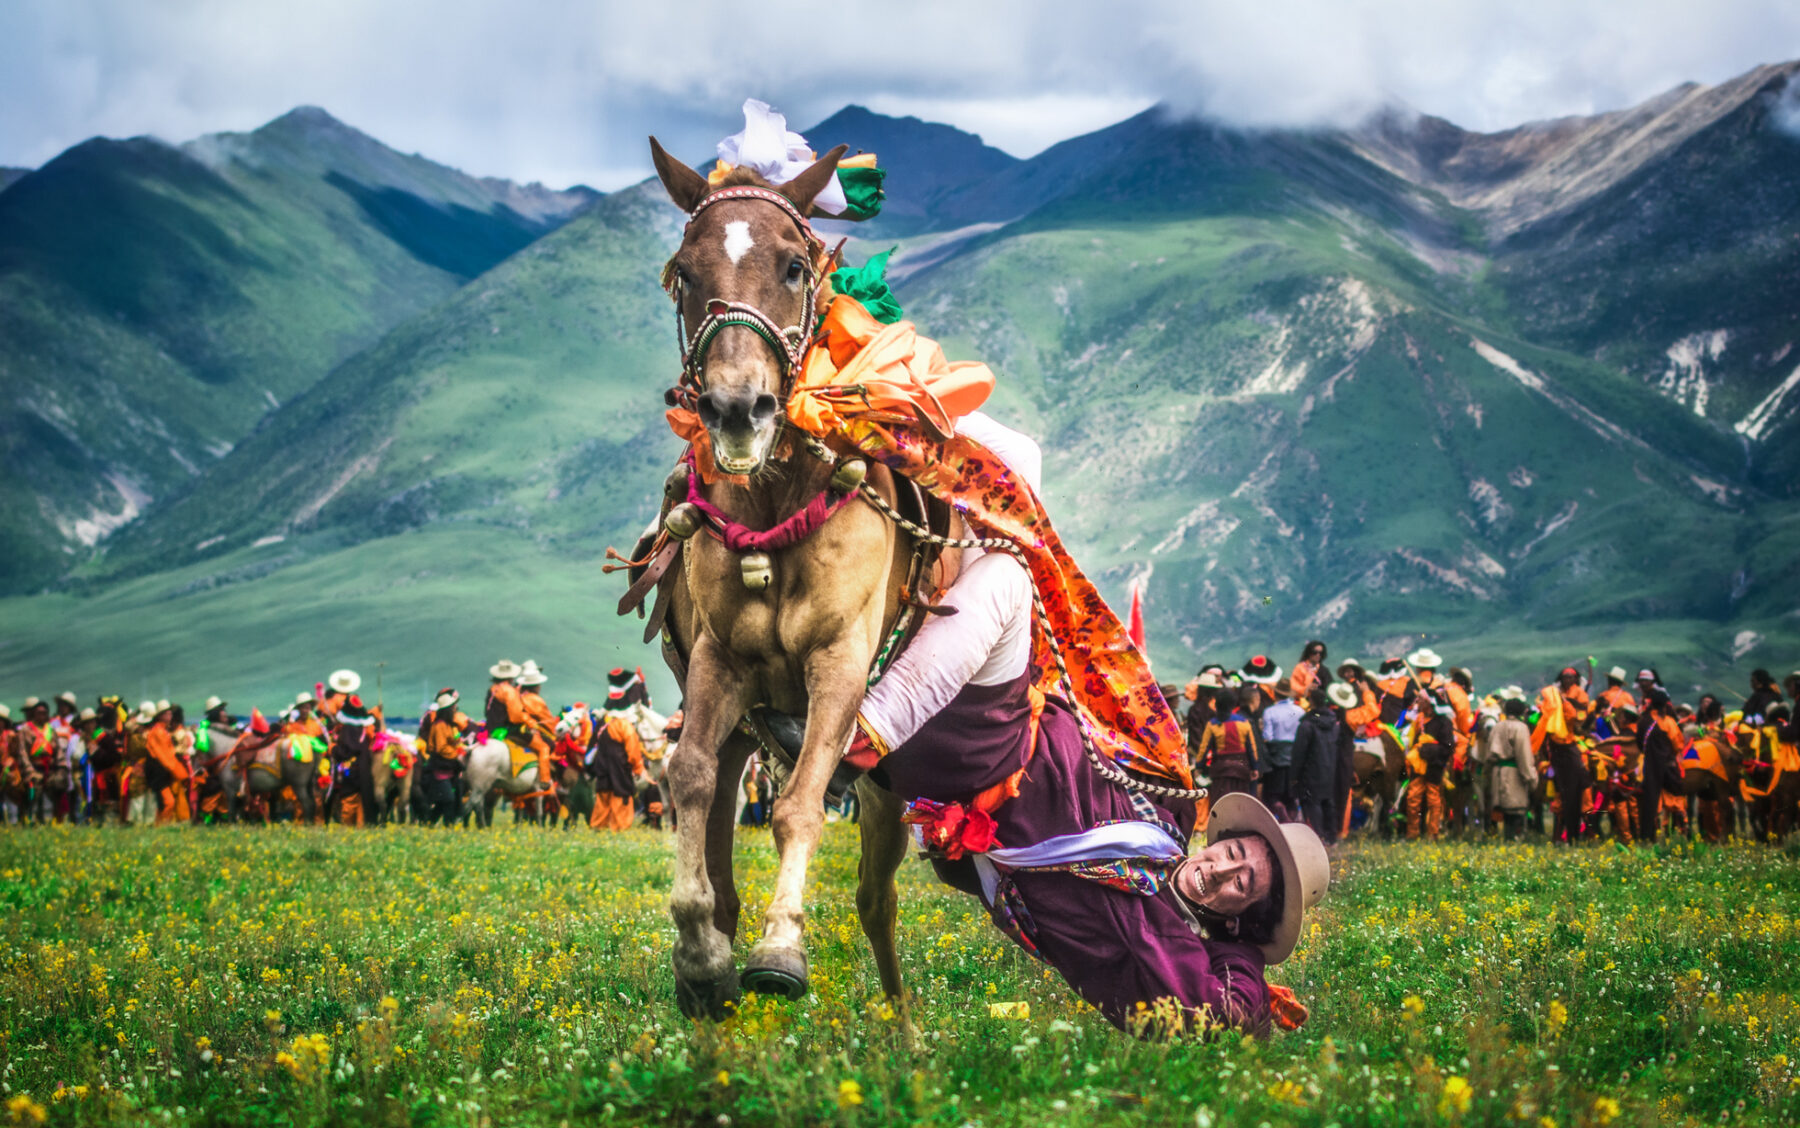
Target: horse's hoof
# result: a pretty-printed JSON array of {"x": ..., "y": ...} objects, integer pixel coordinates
[
  {"x": 714, "y": 999},
  {"x": 777, "y": 972}
]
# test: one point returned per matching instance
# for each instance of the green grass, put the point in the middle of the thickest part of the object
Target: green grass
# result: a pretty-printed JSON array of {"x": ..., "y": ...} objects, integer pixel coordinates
[{"x": 404, "y": 976}]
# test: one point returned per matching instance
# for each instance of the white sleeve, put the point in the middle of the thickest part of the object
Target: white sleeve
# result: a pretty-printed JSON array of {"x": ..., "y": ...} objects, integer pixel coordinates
[{"x": 987, "y": 642}]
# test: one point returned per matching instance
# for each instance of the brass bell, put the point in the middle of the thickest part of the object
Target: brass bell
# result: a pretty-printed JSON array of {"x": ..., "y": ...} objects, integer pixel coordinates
[
  {"x": 683, "y": 521},
  {"x": 758, "y": 570},
  {"x": 849, "y": 475},
  {"x": 675, "y": 486}
]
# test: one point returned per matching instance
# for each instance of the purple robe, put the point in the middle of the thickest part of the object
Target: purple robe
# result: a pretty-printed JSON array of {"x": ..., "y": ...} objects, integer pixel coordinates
[{"x": 1117, "y": 949}]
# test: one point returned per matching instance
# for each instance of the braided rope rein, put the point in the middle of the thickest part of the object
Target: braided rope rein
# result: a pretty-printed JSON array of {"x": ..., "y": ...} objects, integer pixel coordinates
[{"x": 1108, "y": 770}]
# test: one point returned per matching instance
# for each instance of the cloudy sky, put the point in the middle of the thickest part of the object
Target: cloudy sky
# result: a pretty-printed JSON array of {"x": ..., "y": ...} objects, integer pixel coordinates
[{"x": 564, "y": 91}]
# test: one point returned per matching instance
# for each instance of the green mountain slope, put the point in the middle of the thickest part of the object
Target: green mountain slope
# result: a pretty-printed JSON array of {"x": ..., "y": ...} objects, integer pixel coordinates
[
  {"x": 1289, "y": 377},
  {"x": 156, "y": 301}
]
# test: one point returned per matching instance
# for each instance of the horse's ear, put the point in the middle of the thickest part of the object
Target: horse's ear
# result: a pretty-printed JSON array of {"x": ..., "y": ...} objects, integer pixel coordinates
[
  {"x": 685, "y": 186},
  {"x": 803, "y": 189}
]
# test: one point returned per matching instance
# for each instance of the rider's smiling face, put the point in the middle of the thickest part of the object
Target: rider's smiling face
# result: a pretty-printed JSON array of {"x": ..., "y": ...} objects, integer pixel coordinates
[{"x": 1237, "y": 872}]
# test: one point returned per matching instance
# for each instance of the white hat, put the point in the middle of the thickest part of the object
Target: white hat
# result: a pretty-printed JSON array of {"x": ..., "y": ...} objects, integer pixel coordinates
[
  {"x": 32, "y": 703},
  {"x": 1341, "y": 695},
  {"x": 67, "y": 695},
  {"x": 88, "y": 714},
  {"x": 146, "y": 712},
  {"x": 529, "y": 674},
  {"x": 446, "y": 699},
  {"x": 344, "y": 681},
  {"x": 5, "y": 713},
  {"x": 504, "y": 670},
  {"x": 1617, "y": 673},
  {"x": 214, "y": 702},
  {"x": 1305, "y": 869},
  {"x": 163, "y": 706},
  {"x": 1424, "y": 658},
  {"x": 305, "y": 697}
]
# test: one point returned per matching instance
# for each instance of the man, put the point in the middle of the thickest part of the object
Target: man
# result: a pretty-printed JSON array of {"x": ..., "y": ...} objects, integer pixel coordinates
[
  {"x": 1317, "y": 741},
  {"x": 353, "y": 759},
  {"x": 1200, "y": 691},
  {"x": 15, "y": 769},
  {"x": 504, "y": 712},
  {"x": 1765, "y": 694},
  {"x": 441, "y": 735},
  {"x": 1432, "y": 748},
  {"x": 106, "y": 757},
  {"x": 540, "y": 719},
  {"x": 1562, "y": 713},
  {"x": 1395, "y": 685},
  {"x": 1230, "y": 753},
  {"x": 166, "y": 775},
  {"x": 339, "y": 686},
  {"x": 1280, "y": 725},
  {"x": 1425, "y": 663},
  {"x": 1511, "y": 766},
  {"x": 617, "y": 757},
  {"x": 39, "y": 745},
  {"x": 1615, "y": 698},
  {"x": 1362, "y": 721},
  {"x": 628, "y": 694},
  {"x": 1662, "y": 742}
]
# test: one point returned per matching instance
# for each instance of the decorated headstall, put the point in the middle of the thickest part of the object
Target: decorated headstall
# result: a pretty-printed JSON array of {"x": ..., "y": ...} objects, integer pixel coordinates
[{"x": 789, "y": 342}]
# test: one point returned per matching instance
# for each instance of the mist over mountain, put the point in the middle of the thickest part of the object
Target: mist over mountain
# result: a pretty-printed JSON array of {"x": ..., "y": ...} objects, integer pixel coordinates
[{"x": 1526, "y": 394}]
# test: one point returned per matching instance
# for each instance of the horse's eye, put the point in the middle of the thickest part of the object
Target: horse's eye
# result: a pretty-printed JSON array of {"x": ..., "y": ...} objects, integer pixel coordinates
[{"x": 796, "y": 268}]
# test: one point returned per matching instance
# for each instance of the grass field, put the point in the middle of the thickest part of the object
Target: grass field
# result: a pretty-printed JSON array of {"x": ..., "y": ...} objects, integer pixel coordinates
[{"x": 402, "y": 976}]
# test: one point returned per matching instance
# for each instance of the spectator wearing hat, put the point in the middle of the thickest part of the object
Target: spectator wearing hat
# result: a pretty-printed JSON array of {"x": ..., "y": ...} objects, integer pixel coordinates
[
  {"x": 1280, "y": 724},
  {"x": 618, "y": 759},
  {"x": 1511, "y": 766},
  {"x": 353, "y": 761},
  {"x": 1562, "y": 712},
  {"x": 633, "y": 702},
  {"x": 1395, "y": 685},
  {"x": 441, "y": 733},
  {"x": 1230, "y": 753},
  {"x": 1615, "y": 697},
  {"x": 1317, "y": 739},
  {"x": 540, "y": 719},
  {"x": 504, "y": 712},
  {"x": 106, "y": 757},
  {"x": 1433, "y": 744},
  {"x": 1200, "y": 691},
  {"x": 338, "y": 688},
  {"x": 164, "y": 772}
]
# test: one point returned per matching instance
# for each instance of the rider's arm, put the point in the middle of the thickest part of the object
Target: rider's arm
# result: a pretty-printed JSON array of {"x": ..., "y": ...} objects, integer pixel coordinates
[{"x": 986, "y": 642}]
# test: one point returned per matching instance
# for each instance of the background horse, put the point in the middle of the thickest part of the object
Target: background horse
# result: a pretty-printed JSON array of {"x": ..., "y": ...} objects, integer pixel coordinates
[
  {"x": 1380, "y": 770},
  {"x": 794, "y": 631},
  {"x": 489, "y": 775}
]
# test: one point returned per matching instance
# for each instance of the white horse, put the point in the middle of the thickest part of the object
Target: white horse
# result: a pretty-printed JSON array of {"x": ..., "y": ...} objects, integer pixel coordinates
[{"x": 489, "y": 775}]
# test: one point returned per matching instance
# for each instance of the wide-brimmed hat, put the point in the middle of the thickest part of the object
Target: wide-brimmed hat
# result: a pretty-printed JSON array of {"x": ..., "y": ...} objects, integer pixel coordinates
[
  {"x": 1261, "y": 669},
  {"x": 1617, "y": 673},
  {"x": 67, "y": 696},
  {"x": 163, "y": 706},
  {"x": 5, "y": 712},
  {"x": 146, "y": 712},
  {"x": 1424, "y": 658},
  {"x": 88, "y": 714},
  {"x": 32, "y": 703},
  {"x": 529, "y": 674},
  {"x": 1341, "y": 695},
  {"x": 214, "y": 702},
  {"x": 1350, "y": 664},
  {"x": 344, "y": 681},
  {"x": 1209, "y": 679},
  {"x": 1305, "y": 869},
  {"x": 504, "y": 670},
  {"x": 305, "y": 697},
  {"x": 446, "y": 698}
]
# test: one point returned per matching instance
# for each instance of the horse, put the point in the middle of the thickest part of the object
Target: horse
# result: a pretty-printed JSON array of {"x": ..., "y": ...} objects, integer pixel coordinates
[
  {"x": 1710, "y": 775},
  {"x": 794, "y": 630},
  {"x": 489, "y": 775},
  {"x": 393, "y": 793},
  {"x": 1379, "y": 775},
  {"x": 265, "y": 770}
]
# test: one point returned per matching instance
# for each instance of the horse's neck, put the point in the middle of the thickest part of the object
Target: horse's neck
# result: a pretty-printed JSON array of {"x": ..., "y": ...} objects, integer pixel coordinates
[{"x": 775, "y": 494}]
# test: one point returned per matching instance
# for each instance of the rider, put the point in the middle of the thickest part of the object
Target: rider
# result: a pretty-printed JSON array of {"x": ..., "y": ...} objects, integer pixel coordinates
[
  {"x": 441, "y": 742},
  {"x": 1089, "y": 876}
]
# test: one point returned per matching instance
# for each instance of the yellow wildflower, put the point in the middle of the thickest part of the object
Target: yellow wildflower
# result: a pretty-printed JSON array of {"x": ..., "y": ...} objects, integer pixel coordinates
[
  {"x": 1413, "y": 1005},
  {"x": 724, "y": 1078},
  {"x": 1454, "y": 1100},
  {"x": 23, "y": 1110},
  {"x": 849, "y": 1093},
  {"x": 1559, "y": 1017},
  {"x": 1605, "y": 1110}
]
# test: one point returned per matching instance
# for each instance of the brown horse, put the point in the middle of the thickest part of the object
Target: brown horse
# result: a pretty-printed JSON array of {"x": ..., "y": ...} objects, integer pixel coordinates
[
  {"x": 794, "y": 631},
  {"x": 1378, "y": 780}
]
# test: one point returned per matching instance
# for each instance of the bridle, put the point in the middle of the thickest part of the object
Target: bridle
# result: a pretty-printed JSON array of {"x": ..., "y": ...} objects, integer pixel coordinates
[{"x": 789, "y": 343}]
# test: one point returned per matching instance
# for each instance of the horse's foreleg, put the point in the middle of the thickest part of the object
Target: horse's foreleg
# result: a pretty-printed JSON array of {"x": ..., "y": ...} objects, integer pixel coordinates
[
  {"x": 877, "y": 896},
  {"x": 722, "y": 830},
  {"x": 717, "y": 692},
  {"x": 834, "y": 687}
]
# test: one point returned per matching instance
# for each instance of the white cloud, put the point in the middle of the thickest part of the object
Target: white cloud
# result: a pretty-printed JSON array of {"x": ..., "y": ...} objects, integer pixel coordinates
[{"x": 565, "y": 90}]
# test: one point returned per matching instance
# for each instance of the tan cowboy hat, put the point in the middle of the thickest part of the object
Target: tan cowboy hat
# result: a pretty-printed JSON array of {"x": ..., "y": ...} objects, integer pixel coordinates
[
  {"x": 504, "y": 670},
  {"x": 146, "y": 712},
  {"x": 529, "y": 674},
  {"x": 1617, "y": 673},
  {"x": 305, "y": 697},
  {"x": 446, "y": 699},
  {"x": 1209, "y": 679},
  {"x": 163, "y": 706},
  {"x": 1424, "y": 658},
  {"x": 88, "y": 714},
  {"x": 67, "y": 695},
  {"x": 1305, "y": 870},
  {"x": 1512, "y": 693},
  {"x": 214, "y": 702},
  {"x": 5, "y": 712},
  {"x": 1341, "y": 695},
  {"x": 32, "y": 703},
  {"x": 344, "y": 681},
  {"x": 1351, "y": 664}
]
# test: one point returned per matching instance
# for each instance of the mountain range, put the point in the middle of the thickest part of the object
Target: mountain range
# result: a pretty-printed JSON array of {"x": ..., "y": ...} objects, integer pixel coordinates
[{"x": 284, "y": 401}]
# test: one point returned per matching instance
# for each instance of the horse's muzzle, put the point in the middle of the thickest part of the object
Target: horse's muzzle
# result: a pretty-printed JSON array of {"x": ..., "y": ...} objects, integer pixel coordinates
[{"x": 741, "y": 422}]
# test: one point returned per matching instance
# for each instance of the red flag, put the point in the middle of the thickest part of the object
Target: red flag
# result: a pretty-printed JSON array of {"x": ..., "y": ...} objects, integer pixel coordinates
[{"x": 1135, "y": 624}]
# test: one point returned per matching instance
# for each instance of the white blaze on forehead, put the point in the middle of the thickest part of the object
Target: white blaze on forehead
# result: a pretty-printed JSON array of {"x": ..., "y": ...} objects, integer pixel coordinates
[{"x": 737, "y": 240}]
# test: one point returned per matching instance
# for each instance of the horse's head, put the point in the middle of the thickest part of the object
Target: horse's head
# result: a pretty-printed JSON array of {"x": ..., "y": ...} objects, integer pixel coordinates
[{"x": 744, "y": 280}]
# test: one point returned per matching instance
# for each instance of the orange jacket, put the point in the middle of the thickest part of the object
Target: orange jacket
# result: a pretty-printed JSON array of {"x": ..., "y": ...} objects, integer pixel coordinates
[
  {"x": 161, "y": 744},
  {"x": 539, "y": 718},
  {"x": 625, "y": 733},
  {"x": 1302, "y": 680},
  {"x": 1363, "y": 718},
  {"x": 1558, "y": 714}
]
